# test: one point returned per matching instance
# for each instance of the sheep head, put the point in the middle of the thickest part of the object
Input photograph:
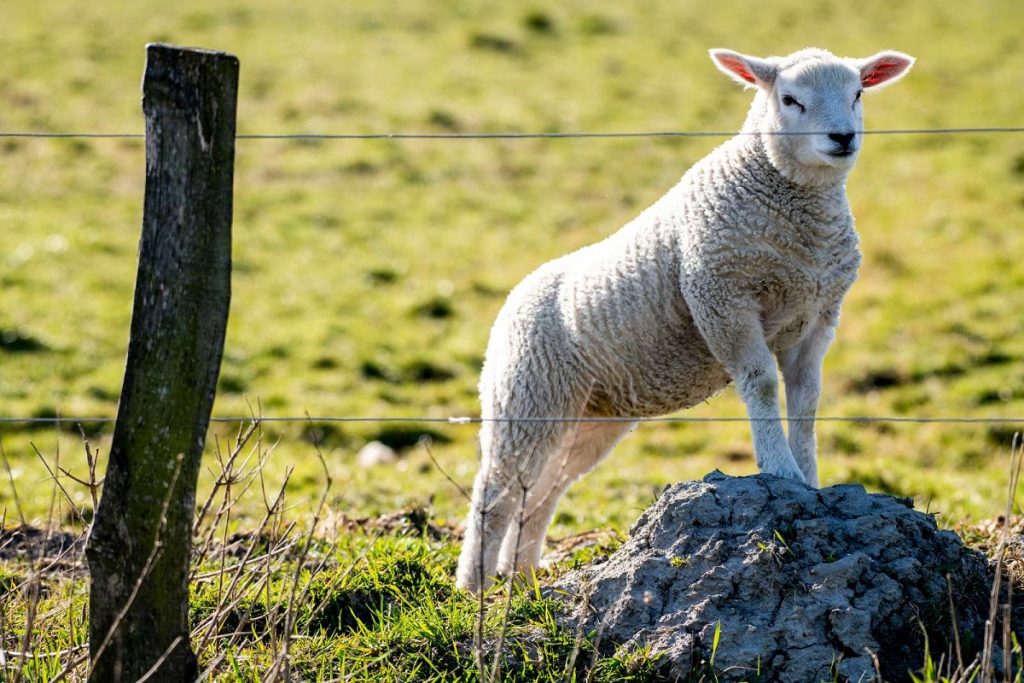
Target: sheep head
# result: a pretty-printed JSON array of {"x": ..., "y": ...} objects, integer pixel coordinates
[{"x": 808, "y": 106}]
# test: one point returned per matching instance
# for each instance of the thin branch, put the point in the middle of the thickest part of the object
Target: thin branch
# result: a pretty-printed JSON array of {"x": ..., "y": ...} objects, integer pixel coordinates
[
  {"x": 426, "y": 442},
  {"x": 159, "y": 662},
  {"x": 290, "y": 611},
  {"x": 53, "y": 477},
  {"x": 238, "y": 574}
]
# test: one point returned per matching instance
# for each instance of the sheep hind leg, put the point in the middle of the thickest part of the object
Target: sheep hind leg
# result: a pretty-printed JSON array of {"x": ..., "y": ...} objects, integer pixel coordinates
[
  {"x": 508, "y": 471},
  {"x": 581, "y": 449}
]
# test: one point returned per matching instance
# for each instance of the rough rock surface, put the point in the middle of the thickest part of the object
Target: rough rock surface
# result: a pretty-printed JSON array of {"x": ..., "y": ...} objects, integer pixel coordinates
[{"x": 803, "y": 582}]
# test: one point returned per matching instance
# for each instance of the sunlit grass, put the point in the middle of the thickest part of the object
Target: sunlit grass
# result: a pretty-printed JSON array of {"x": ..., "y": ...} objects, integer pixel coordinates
[{"x": 367, "y": 273}]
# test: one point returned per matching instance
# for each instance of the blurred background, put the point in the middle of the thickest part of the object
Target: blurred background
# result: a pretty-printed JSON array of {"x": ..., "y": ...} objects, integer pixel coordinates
[{"x": 368, "y": 272}]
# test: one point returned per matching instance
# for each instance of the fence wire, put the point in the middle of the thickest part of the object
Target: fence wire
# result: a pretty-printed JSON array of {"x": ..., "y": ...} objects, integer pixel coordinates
[
  {"x": 970, "y": 130},
  {"x": 468, "y": 420},
  {"x": 472, "y": 420}
]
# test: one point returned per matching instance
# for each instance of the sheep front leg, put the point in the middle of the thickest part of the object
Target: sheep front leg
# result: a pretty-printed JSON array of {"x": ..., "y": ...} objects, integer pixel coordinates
[
  {"x": 737, "y": 341},
  {"x": 758, "y": 385},
  {"x": 801, "y": 371}
]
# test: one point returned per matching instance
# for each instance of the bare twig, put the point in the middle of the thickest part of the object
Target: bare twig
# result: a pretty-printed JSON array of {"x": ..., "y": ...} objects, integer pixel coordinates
[
  {"x": 227, "y": 471},
  {"x": 54, "y": 478},
  {"x": 987, "y": 668},
  {"x": 283, "y": 660},
  {"x": 215, "y": 574},
  {"x": 156, "y": 665},
  {"x": 33, "y": 576},
  {"x": 271, "y": 509},
  {"x": 212, "y": 666},
  {"x": 92, "y": 460},
  {"x": 426, "y": 442},
  {"x": 228, "y": 502}
]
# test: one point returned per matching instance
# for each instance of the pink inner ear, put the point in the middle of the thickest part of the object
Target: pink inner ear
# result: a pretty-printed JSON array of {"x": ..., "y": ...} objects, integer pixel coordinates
[
  {"x": 738, "y": 68},
  {"x": 881, "y": 71}
]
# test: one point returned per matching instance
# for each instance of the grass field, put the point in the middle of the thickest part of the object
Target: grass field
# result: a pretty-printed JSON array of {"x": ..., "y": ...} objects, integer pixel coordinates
[{"x": 367, "y": 273}]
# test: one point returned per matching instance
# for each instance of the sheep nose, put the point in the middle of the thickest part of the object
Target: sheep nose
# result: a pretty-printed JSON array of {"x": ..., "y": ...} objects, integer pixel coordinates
[{"x": 843, "y": 139}]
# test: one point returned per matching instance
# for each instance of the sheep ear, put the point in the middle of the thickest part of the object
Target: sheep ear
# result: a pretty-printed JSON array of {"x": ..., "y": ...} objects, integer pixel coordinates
[
  {"x": 883, "y": 69},
  {"x": 745, "y": 69}
]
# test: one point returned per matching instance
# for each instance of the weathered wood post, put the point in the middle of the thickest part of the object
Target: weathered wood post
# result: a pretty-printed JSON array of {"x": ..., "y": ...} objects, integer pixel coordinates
[{"x": 141, "y": 538}]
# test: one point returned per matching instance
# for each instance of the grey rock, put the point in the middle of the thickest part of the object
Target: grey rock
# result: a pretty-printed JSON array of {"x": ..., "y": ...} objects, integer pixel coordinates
[{"x": 804, "y": 584}]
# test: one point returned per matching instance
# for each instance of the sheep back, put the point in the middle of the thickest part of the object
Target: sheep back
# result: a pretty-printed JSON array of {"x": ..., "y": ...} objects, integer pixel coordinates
[{"x": 610, "y": 329}]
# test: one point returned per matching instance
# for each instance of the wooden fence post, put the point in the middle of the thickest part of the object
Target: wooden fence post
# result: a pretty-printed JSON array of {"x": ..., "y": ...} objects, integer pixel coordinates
[{"x": 139, "y": 547}]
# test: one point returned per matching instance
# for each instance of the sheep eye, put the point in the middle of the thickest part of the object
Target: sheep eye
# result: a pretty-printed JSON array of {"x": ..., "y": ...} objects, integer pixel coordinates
[
  {"x": 857, "y": 98},
  {"x": 790, "y": 101}
]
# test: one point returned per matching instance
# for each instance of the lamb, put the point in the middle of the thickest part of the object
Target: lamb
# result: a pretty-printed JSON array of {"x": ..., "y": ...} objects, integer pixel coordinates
[{"x": 743, "y": 263}]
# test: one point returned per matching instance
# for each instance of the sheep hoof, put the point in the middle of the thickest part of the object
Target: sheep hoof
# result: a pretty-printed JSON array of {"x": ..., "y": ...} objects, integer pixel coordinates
[{"x": 787, "y": 471}]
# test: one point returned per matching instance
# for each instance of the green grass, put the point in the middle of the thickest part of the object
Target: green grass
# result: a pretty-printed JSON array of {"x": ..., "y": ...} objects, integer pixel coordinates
[
  {"x": 372, "y": 604},
  {"x": 368, "y": 599},
  {"x": 367, "y": 273},
  {"x": 326, "y": 596}
]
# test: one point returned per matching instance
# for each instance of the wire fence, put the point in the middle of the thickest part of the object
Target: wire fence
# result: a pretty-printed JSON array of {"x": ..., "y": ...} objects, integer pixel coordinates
[
  {"x": 970, "y": 130},
  {"x": 472, "y": 420}
]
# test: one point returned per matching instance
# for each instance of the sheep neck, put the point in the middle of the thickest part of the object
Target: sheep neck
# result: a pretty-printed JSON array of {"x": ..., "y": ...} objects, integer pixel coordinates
[{"x": 826, "y": 190}]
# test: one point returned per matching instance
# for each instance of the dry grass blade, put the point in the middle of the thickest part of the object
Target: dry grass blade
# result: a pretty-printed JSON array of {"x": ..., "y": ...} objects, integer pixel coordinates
[
  {"x": 987, "y": 665},
  {"x": 1007, "y": 670},
  {"x": 956, "y": 628},
  {"x": 570, "y": 664},
  {"x": 597, "y": 645},
  {"x": 33, "y": 586},
  {"x": 14, "y": 489},
  {"x": 221, "y": 612},
  {"x": 512, "y": 583},
  {"x": 282, "y": 660}
]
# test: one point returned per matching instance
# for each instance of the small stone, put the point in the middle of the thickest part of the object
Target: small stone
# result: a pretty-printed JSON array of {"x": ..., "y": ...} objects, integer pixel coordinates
[{"x": 376, "y": 453}]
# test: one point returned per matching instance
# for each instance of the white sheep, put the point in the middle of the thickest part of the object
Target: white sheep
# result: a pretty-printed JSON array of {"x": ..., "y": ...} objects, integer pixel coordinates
[{"x": 746, "y": 260}]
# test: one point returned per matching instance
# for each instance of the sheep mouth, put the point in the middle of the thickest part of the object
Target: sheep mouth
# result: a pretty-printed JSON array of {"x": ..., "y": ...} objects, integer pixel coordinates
[{"x": 843, "y": 153}]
